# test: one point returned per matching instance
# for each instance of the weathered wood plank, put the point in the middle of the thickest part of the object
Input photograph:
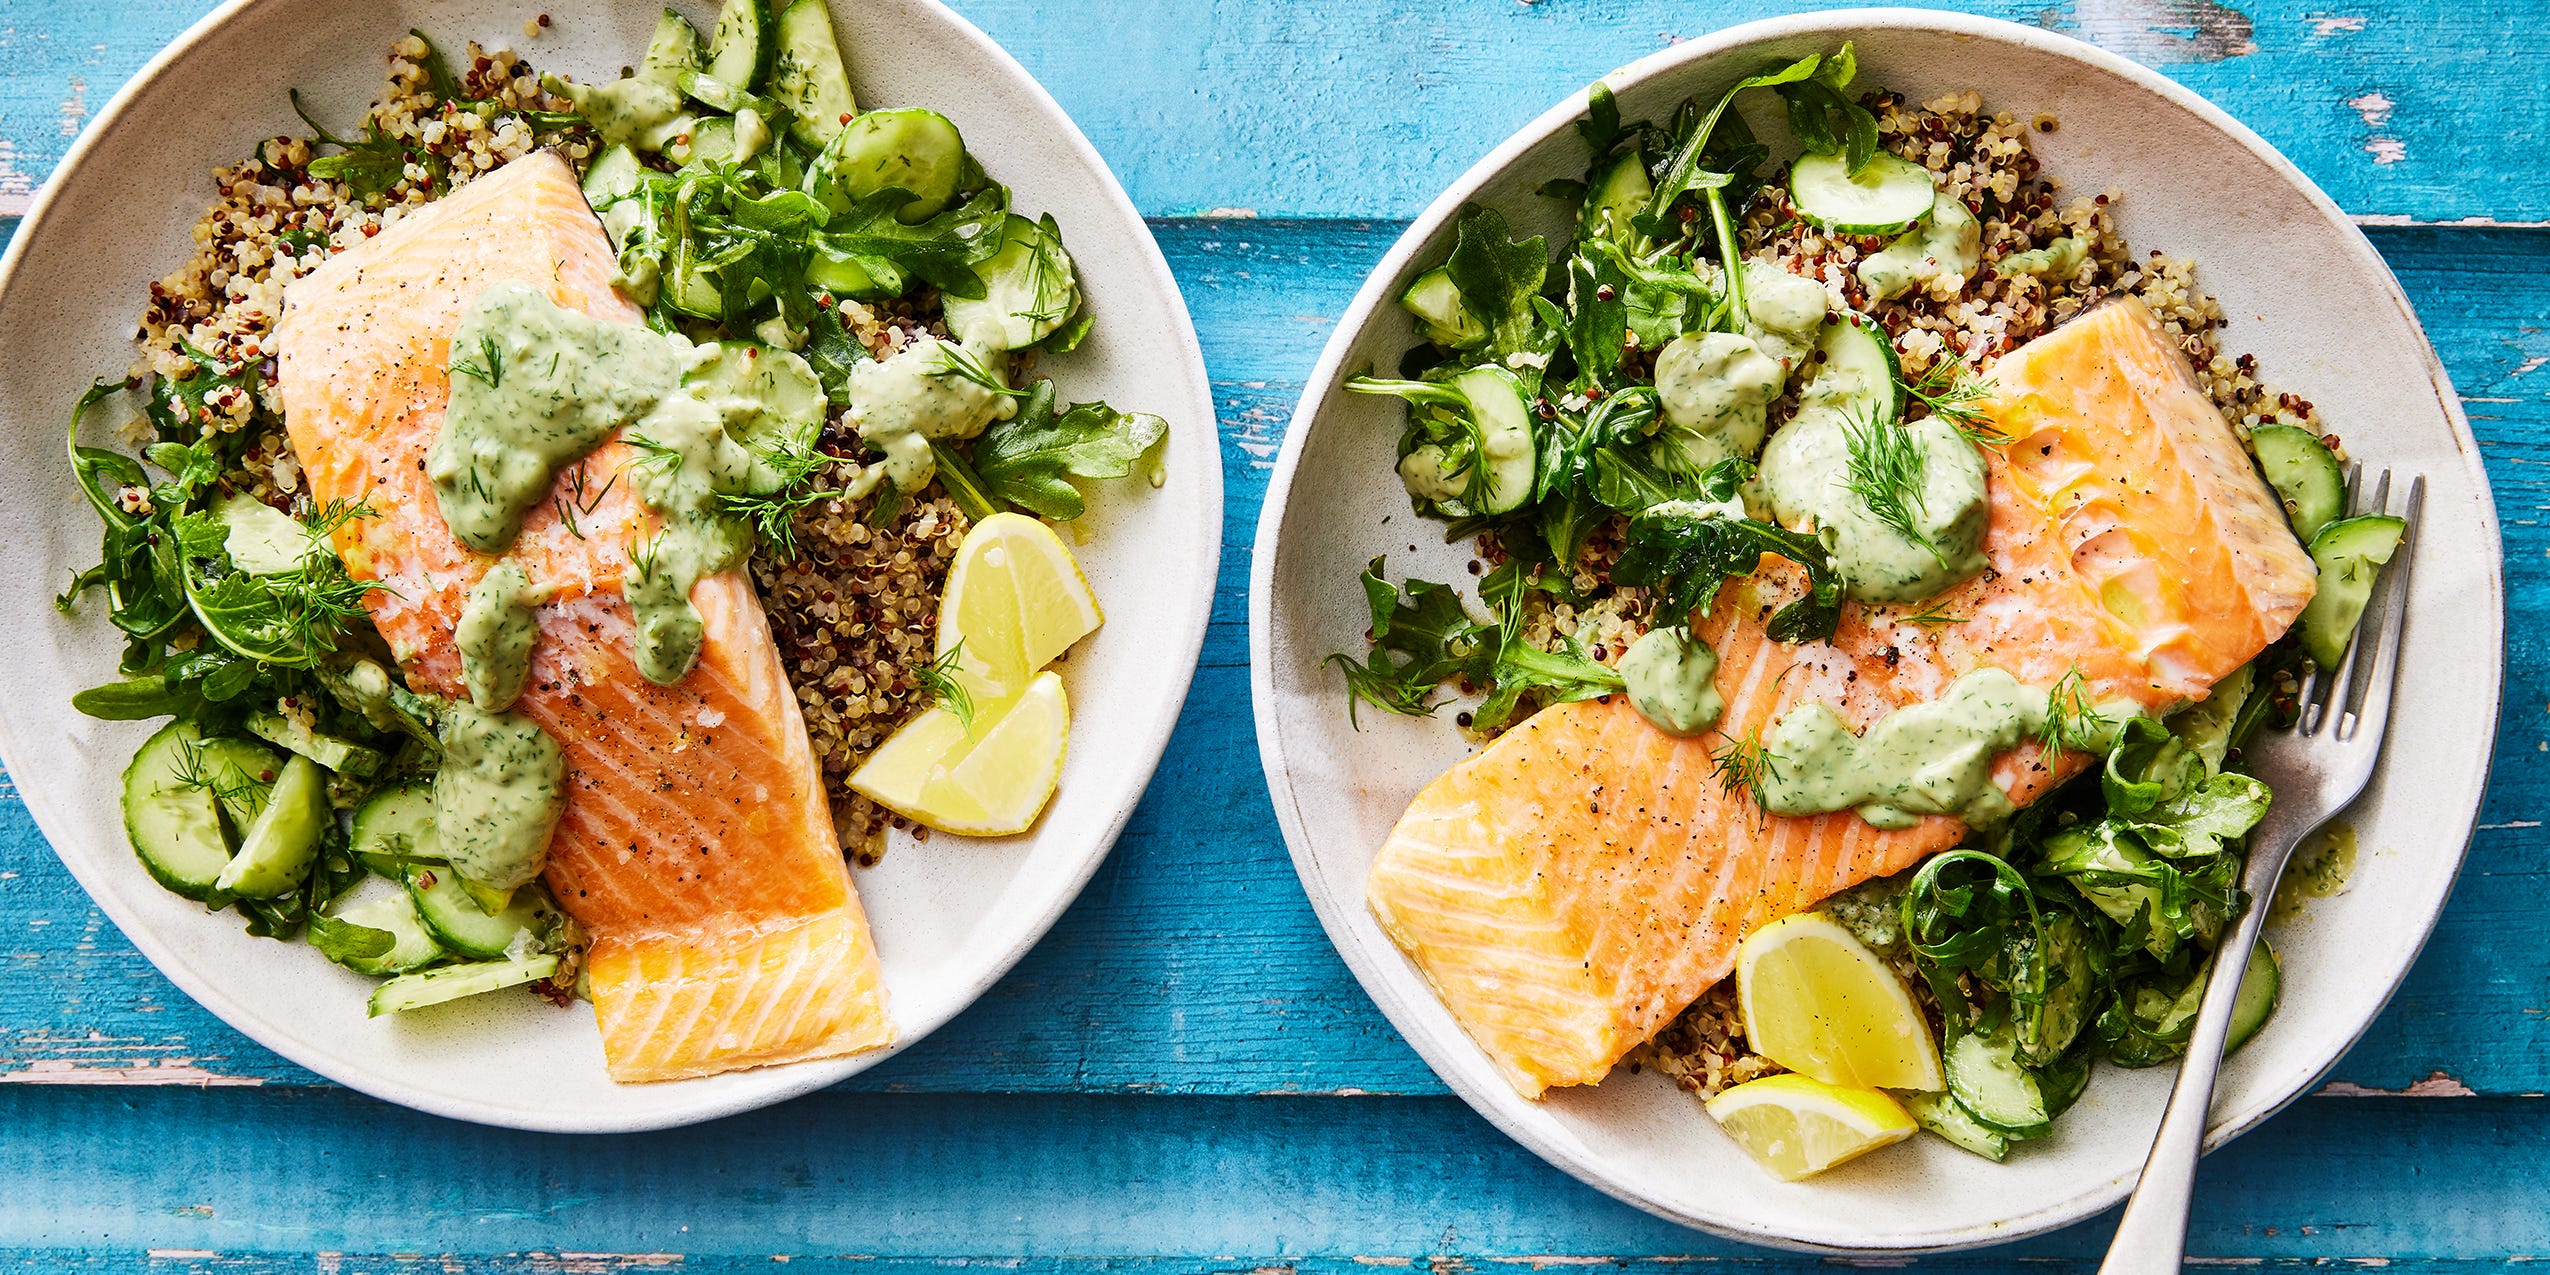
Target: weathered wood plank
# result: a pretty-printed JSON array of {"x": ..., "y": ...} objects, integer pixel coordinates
[
  {"x": 1750, "y": 1262},
  {"x": 921, "y": 1180},
  {"x": 1192, "y": 964},
  {"x": 1359, "y": 110}
]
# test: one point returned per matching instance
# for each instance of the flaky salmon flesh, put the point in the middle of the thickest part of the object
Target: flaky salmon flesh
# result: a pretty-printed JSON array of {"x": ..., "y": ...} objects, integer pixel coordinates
[
  {"x": 1571, "y": 888},
  {"x": 697, "y": 845}
]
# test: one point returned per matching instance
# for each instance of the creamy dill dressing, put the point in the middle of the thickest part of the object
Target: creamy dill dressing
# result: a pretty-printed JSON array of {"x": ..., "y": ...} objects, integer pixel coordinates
[
  {"x": 498, "y": 795},
  {"x": 1922, "y": 759},
  {"x": 1949, "y": 245},
  {"x": 1716, "y": 390},
  {"x": 1672, "y": 677},
  {"x": 902, "y": 402},
  {"x": 495, "y": 635}
]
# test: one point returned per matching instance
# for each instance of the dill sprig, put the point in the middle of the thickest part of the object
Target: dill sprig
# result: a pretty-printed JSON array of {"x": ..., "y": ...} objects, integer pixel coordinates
[
  {"x": 956, "y": 360},
  {"x": 1932, "y": 616},
  {"x": 773, "y": 514},
  {"x": 1953, "y": 393},
  {"x": 1887, "y": 472},
  {"x": 490, "y": 366},
  {"x": 228, "y": 784},
  {"x": 664, "y": 458},
  {"x": 2071, "y": 719},
  {"x": 938, "y": 679},
  {"x": 1744, "y": 765},
  {"x": 576, "y": 503}
]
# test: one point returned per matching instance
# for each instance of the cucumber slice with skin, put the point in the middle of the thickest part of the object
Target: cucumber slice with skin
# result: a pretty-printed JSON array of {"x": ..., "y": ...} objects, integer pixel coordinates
[
  {"x": 807, "y": 75},
  {"x": 343, "y": 756},
  {"x": 1622, "y": 192},
  {"x": 912, "y": 150},
  {"x": 460, "y": 924},
  {"x": 742, "y": 44},
  {"x": 2350, "y": 554},
  {"x": 1029, "y": 289},
  {"x": 1941, "y": 1114},
  {"x": 1858, "y": 372},
  {"x": 1441, "y": 315},
  {"x": 1885, "y": 198},
  {"x": 2261, "y": 985},
  {"x": 412, "y": 946},
  {"x": 174, "y": 825},
  {"x": 452, "y": 982},
  {"x": 712, "y": 141},
  {"x": 1494, "y": 399},
  {"x": 397, "y": 823},
  {"x": 1985, "y": 1077},
  {"x": 614, "y": 175},
  {"x": 2305, "y": 474},
  {"x": 283, "y": 842},
  {"x": 676, "y": 48},
  {"x": 844, "y": 275}
]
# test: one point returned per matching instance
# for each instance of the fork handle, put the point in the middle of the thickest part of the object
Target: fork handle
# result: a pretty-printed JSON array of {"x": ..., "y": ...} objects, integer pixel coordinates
[{"x": 2151, "y": 1239}]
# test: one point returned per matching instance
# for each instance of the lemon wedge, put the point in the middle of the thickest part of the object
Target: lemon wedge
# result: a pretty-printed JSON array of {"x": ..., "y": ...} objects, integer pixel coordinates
[
  {"x": 989, "y": 780},
  {"x": 1796, "y": 1125},
  {"x": 1818, "y": 1002},
  {"x": 1015, "y": 600}
]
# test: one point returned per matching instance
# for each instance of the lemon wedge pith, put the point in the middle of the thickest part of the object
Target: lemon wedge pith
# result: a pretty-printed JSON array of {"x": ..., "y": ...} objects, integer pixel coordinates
[
  {"x": 1797, "y": 1125},
  {"x": 1015, "y": 601},
  {"x": 1817, "y": 1001}
]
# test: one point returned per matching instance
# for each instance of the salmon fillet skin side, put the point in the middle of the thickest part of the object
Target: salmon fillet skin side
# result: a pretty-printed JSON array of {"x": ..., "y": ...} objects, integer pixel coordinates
[
  {"x": 697, "y": 846},
  {"x": 1573, "y": 886}
]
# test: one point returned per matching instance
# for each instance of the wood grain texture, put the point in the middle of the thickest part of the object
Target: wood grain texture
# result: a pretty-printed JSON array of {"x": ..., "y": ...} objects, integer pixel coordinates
[
  {"x": 1190, "y": 1184},
  {"x": 1338, "y": 108},
  {"x": 1193, "y": 965}
]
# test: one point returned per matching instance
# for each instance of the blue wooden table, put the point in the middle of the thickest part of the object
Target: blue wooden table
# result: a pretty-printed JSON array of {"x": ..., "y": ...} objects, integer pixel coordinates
[{"x": 1183, "y": 1077}]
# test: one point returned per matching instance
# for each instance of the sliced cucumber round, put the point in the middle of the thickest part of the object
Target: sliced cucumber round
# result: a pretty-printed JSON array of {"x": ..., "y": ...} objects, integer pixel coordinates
[
  {"x": 1985, "y": 1077},
  {"x": 2305, "y": 475},
  {"x": 2261, "y": 984},
  {"x": 1441, "y": 317},
  {"x": 412, "y": 946},
  {"x": 447, "y": 908},
  {"x": 1506, "y": 439},
  {"x": 1857, "y": 373},
  {"x": 676, "y": 48},
  {"x": 1885, "y": 198},
  {"x": 1622, "y": 192},
  {"x": 807, "y": 74},
  {"x": 396, "y": 824},
  {"x": 912, "y": 150},
  {"x": 1941, "y": 1114},
  {"x": 452, "y": 982},
  {"x": 741, "y": 45},
  {"x": 280, "y": 845},
  {"x": 1029, "y": 289},
  {"x": 2349, "y": 554},
  {"x": 171, "y": 815}
]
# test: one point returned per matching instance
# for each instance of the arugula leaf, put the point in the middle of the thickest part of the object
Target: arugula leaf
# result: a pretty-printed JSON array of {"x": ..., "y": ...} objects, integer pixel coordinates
[
  {"x": 1687, "y": 552},
  {"x": 342, "y": 941},
  {"x": 1424, "y": 622},
  {"x": 1601, "y": 126},
  {"x": 1498, "y": 278},
  {"x": 371, "y": 166},
  {"x": 1683, "y": 174},
  {"x": 1028, "y": 459},
  {"x": 1970, "y": 913},
  {"x": 1825, "y": 119}
]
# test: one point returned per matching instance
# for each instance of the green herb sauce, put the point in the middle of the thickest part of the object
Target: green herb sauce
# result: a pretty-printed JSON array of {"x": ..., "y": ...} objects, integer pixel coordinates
[
  {"x": 691, "y": 460},
  {"x": 495, "y": 636},
  {"x": 1783, "y": 312},
  {"x": 901, "y": 403},
  {"x": 498, "y": 795},
  {"x": 1806, "y": 472},
  {"x": 1716, "y": 390},
  {"x": 1673, "y": 681},
  {"x": 2319, "y": 870},
  {"x": 639, "y": 111},
  {"x": 1948, "y": 245},
  {"x": 1921, "y": 759}
]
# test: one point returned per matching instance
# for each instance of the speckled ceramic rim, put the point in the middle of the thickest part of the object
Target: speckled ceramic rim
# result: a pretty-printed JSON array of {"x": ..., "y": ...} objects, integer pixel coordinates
[
  {"x": 1338, "y": 914},
  {"x": 1178, "y": 653}
]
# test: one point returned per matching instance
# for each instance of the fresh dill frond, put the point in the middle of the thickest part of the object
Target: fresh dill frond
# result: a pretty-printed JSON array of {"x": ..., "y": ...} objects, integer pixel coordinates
[
  {"x": 490, "y": 366},
  {"x": 228, "y": 784},
  {"x": 2071, "y": 719},
  {"x": 938, "y": 678},
  {"x": 663, "y": 457},
  {"x": 1887, "y": 472},
  {"x": 577, "y": 503},
  {"x": 1744, "y": 765},
  {"x": 773, "y": 514},
  {"x": 326, "y": 520},
  {"x": 1932, "y": 616},
  {"x": 956, "y": 360},
  {"x": 1953, "y": 393}
]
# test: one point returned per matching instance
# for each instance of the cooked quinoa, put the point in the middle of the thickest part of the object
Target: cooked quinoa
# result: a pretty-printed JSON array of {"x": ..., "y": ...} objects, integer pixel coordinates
[
  {"x": 1983, "y": 159},
  {"x": 855, "y": 613}
]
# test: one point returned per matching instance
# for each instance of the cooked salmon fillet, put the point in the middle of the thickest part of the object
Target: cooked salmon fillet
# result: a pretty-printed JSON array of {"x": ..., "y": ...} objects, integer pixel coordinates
[
  {"x": 697, "y": 845},
  {"x": 1571, "y": 888}
]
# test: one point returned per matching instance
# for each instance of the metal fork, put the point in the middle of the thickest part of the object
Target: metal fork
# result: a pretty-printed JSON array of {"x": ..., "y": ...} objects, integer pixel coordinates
[{"x": 2315, "y": 774}]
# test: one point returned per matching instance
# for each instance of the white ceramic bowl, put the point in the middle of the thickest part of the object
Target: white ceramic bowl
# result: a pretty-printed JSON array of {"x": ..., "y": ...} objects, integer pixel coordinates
[
  {"x": 951, "y": 915},
  {"x": 2305, "y": 292}
]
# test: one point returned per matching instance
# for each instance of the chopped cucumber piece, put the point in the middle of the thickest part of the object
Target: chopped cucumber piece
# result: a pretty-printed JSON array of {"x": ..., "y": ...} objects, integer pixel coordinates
[
  {"x": 1029, "y": 289},
  {"x": 1884, "y": 198},
  {"x": 1985, "y": 1077},
  {"x": 2305, "y": 474},
  {"x": 283, "y": 842},
  {"x": 2205, "y": 727},
  {"x": 1442, "y": 317},
  {"x": 263, "y": 540},
  {"x": 614, "y": 175},
  {"x": 452, "y": 982},
  {"x": 1495, "y": 402},
  {"x": 676, "y": 48},
  {"x": 912, "y": 150},
  {"x": 412, "y": 946},
  {"x": 712, "y": 142},
  {"x": 1859, "y": 373},
  {"x": 171, "y": 815},
  {"x": 740, "y": 48},
  {"x": 807, "y": 75},
  {"x": 397, "y": 824},
  {"x": 341, "y": 755},
  {"x": 846, "y": 275},
  {"x": 2349, "y": 554},
  {"x": 2261, "y": 983},
  {"x": 1941, "y": 1114},
  {"x": 459, "y": 923},
  {"x": 1622, "y": 192}
]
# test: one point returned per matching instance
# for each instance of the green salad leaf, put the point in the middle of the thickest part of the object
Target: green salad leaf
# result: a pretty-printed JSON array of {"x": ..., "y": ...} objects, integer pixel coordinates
[{"x": 1029, "y": 459}]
